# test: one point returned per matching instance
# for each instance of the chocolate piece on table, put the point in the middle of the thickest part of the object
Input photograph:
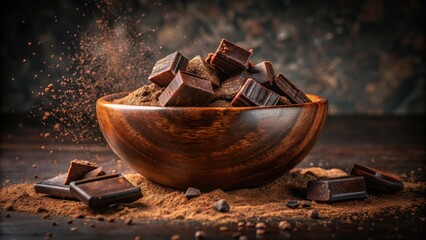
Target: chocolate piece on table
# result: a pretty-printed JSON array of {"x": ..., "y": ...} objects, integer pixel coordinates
[
  {"x": 230, "y": 59},
  {"x": 254, "y": 94},
  {"x": 285, "y": 87},
  {"x": 166, "y": 69},
  {"x": 105, "y": 190},
  {"x": 78, "y": 168},
  {"x": 187, "y": 89},
  {"x": 54, "y": 187},
  {"x": 230, "y": 87},
  {"x": 221, "y": 206},
  {"x": 378, "y": 181},
  {"x": 192, "y": 192},
  {"x": 336, "y": 189},
  {"x": 94, "y": 173},
  {"x": 201, "y": 68},
  {"x": 263, "y": 73},
  {"x": 292, "y": 204}
]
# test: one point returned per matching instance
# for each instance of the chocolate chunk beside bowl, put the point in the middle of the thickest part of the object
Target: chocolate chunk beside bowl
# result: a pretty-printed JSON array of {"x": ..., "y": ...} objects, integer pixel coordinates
[
  {"x": 78, "y": 168},
  {"x": 337, "y": 189},
  {"x": 378, "y": 181}
]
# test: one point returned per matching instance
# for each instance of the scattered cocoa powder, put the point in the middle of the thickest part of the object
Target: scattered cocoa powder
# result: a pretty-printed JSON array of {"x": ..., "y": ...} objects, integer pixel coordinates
[
  {"x": 107, "y": 55},
  {"x": 266, "y": 202}
]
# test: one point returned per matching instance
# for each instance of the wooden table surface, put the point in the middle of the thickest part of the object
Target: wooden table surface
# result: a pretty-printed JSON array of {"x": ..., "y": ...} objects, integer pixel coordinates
[{"x": 392, "y": 143}]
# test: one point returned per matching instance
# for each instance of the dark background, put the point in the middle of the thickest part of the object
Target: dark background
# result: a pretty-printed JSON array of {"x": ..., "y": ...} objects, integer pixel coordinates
[{"x": 366, "y": 57}]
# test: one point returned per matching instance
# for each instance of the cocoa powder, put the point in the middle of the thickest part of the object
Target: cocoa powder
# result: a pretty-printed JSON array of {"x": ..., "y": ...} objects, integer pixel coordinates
[
  {"x": 266, "y": 202},
  {"x": 146, "y": 95}
]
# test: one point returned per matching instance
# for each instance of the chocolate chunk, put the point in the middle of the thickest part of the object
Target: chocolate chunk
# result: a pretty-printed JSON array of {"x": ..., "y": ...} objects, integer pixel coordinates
[
  {"x": 166, "y": 69},
  {"x": 378, "y": 181},
  {"x": 337, "y": 189},
  {"x": 105, "y": 190},
  {"x": 201, "y": 68},
  {"x": 254, "y": 94},
  {"x": 54, "y": 187},
  {"x": 286, "y": 88},
  {"x": 263, "y": 73},
  {"x": 187, "y": 89},
  {"x": 230, "y": 59},
  {"x": 230, "y": 87},
  {"x": 94, "y": 173},
  {"x": 222, "y": 206},
  {"x": 192, "y": 193},
  {"x": 78, "y": 168},
  {"x": 292, "y": 204}
]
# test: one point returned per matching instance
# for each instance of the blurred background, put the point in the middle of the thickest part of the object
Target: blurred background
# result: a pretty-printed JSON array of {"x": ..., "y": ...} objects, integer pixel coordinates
[{"x": 366, "y": 57}]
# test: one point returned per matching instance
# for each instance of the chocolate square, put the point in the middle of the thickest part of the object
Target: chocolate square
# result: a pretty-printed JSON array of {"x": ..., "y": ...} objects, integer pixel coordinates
[
  {"x": 254, "y": 94},
  {"x": 263, "y": 73},
  {"x": 187, "y": 89},
  {"x": 230, "y": 59},
  {"x": 337, "y": 189},
  {"x": 55, "y": 187},
  {"x": 105, "y": 190},
  {"x": 378, "y": 181},
  {"x": 166, "y": 69},
  {"x": 285, "y": 87}
]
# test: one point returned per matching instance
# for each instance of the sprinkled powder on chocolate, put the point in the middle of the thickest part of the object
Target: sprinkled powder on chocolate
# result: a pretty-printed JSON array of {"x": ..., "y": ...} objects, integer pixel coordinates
[{"x": 266, "y": 202}]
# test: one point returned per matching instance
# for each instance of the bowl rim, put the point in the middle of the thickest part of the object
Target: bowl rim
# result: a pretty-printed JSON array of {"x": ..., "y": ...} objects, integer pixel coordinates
[{"x": 106, "y": 101}]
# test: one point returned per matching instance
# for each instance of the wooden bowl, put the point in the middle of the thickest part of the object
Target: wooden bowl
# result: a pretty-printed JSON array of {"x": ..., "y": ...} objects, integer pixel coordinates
[{"x": 210, "y": 148}]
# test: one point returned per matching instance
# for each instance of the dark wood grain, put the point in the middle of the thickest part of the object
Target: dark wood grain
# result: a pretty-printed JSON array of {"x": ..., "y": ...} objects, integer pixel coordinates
[{"x": 210, "y": 148}]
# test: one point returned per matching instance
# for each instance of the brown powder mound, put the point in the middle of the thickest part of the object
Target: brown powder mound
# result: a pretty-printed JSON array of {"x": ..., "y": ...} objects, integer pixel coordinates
[
  {"x": 201, "y": 68},
  {"x": 230, "y": 87},
  {"x": 266, "y": 202},
  {"x": 146, "y": 95}
]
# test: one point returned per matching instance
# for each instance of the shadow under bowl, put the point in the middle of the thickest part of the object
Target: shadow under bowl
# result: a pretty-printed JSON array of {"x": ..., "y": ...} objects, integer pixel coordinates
[{"x": 211, "y": 147}]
